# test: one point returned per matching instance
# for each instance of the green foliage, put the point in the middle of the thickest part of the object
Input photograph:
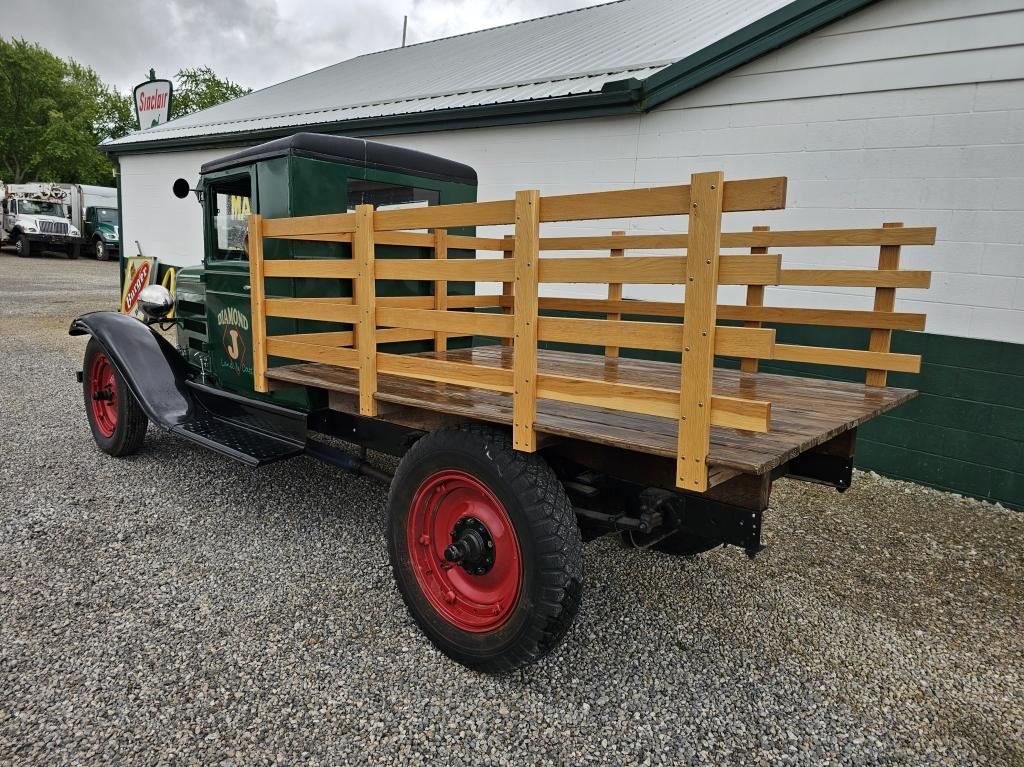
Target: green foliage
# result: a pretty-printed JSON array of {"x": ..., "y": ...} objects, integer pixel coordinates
[
  {"x": 49, "y": 112},
  {"x": 54, "y": 112},
  {"x": 200, "y": 88}
]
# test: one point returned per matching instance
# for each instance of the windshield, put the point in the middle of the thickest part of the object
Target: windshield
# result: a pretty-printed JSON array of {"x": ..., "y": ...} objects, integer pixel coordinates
[
  {"x": 106, "y": 216},
  {"x": 40, "y": 208}
]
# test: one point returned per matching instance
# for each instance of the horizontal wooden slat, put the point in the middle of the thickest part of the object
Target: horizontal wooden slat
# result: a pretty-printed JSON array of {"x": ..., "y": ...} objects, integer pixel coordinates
[
  {"x": 465, "y": 269},
  {"x": 327, "y": 309},
  {"x": 750, "y": 194},
  {"x": 836, "y": 317},
  {"x": 347, "y": 337},
  {"x": 329, "y": 355},
  {"x": 851, "y": 358},
  {"x": 728, "y": 412},
  {"x": 442, "y": 371},
  {"x": 330, "y": 223},
  {"x": 327, "y": 268},
  {"x": 660, "y": 270},
  {"x": 657, "y": 336},
  {"x": 615, "y": 242},
  {"x": 329, "y": 237},
  {"x": 462, "y": 242},
  {"x": 922, "y": 235},
  {"x": 856, "y": 278},
  {"x": 410, "y": 239},
  {"x": 467, "y": 302},
  {"x": 446, "y": 216},
  {"x": 466, "y": 323}
]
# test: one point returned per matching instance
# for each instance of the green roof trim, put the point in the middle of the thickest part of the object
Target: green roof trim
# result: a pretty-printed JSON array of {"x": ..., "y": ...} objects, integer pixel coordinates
[{"x": 618, "y": 97}]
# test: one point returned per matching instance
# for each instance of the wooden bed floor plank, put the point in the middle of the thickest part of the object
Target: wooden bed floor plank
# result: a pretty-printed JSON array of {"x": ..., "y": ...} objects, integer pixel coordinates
[{"x": 805, "y": 411}]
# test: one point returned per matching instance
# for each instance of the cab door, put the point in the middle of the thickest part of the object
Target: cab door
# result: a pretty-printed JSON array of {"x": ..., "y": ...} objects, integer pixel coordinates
[{"x": 228, "y": 201}]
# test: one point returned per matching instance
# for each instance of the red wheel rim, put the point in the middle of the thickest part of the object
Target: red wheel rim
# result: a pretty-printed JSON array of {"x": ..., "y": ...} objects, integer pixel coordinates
[
  {"x": 470, "y": 602},
  {"x": 103, "y": 394}
]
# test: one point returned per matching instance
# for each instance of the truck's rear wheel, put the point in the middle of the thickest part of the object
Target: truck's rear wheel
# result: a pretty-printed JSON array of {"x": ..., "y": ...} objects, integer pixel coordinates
[
  {"x": 117, "y": 422},
  {"x": 22, "y": 246},
  {"x": 485, "y": 548}
]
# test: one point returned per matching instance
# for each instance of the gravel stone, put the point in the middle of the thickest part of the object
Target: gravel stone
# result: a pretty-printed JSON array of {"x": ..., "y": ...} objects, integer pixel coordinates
[{"x": 176, "y": 608}]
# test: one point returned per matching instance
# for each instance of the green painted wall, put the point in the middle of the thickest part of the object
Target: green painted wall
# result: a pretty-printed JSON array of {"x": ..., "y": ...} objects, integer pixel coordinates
[{"x": 964, "y": 431}]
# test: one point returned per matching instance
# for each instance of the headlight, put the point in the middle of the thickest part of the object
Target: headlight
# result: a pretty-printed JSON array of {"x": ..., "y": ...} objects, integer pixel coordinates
[
  {"x": 29, "y": 228},
  {"x": 109, "y": 236},
  {"x": 72, "y": 231}
]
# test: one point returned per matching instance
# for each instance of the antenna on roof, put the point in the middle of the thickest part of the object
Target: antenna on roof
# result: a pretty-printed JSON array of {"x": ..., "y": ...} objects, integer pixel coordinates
[{"x": 405, "y": 26}]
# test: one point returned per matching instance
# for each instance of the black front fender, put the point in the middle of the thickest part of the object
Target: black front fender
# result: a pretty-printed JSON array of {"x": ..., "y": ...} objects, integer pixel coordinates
[{"x": 152, "y": 368}]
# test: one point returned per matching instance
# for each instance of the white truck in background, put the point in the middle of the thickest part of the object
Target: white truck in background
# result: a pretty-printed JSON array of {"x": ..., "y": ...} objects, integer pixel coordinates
[{"x": 41, "y": 217}]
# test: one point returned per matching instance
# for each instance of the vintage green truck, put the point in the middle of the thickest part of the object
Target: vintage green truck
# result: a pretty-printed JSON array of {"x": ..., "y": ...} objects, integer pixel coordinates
[{"x": 336, "y": 312}]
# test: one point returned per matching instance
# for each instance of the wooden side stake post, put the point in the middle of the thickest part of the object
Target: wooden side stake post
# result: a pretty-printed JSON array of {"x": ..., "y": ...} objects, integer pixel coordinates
[
  {"x": 885, "y": 301},
  {"x": 366, "y": 299},
  {"x": 755, "y": 297},
  {"x": 705, "y": 237},
  {"x": 508, "y": 243},
  {"x": 614, "y": 294},
  {"x": 440, "y": 286},
  {"x": 257, "y": 304},
  {"x": 524, "y": 355}
]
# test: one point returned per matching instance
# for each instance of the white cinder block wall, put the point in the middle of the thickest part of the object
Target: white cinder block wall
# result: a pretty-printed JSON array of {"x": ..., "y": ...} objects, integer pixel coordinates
[{"x": 910, "y": 110}]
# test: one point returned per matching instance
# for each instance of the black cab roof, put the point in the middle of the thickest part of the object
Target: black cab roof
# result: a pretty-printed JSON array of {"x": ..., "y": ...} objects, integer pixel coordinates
[{"x": 353, "y": 151}]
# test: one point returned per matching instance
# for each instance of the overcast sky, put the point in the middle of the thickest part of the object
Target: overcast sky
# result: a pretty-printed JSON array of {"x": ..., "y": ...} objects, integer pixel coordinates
[{"x": 253, "y": 42}]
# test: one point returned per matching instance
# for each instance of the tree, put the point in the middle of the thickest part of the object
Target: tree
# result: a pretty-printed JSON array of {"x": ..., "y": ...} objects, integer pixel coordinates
[
  {"x": 54, "y": 112},
  {"x": 49, "y": 112},
  {"x": 200, "y": 88}
]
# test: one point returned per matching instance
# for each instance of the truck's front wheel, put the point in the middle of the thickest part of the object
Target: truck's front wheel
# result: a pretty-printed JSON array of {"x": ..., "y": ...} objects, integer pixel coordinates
[
  {"x": 117, "y": 422},
  {"x": 101, "y": 250},
  {"x": 485, "y": 548},
  {"x": 22, "y": 247}
]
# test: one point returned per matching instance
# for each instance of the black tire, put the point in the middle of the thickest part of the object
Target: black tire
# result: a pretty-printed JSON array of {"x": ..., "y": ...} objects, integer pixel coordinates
[
  {"x": 73, "y": 251},
  {"x": 129, "y": 431},
  {"x": 544, "y": 525},
  {"x": 102, "y": 254},
  {"x": 22, "y": 246}
]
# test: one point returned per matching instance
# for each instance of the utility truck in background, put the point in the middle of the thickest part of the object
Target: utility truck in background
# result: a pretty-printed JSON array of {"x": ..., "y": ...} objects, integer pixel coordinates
[{"x": 41, "y": 217}]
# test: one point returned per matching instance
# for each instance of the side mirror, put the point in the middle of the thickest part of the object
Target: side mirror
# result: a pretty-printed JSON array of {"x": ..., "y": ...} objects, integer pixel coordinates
[
  {"x": 155, "y": 302},
  {"x": 181, "y": 189}
]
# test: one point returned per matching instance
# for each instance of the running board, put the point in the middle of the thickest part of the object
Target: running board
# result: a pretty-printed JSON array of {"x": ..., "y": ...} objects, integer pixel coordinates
[{"x": 251, "y": 432}]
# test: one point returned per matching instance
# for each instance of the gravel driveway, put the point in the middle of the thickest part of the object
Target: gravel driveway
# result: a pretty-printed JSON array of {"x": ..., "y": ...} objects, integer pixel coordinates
[{"x": 177, "y": 608}]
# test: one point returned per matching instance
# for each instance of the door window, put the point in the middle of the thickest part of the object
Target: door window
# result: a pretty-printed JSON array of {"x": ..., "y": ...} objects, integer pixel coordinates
[{"x": 230, "y": 206}]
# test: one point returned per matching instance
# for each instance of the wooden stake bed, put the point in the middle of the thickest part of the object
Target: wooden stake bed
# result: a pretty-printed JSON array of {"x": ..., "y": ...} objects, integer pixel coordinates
[
  {"x": 806, "y": 412},
  {"x": 713, "y": 424}
]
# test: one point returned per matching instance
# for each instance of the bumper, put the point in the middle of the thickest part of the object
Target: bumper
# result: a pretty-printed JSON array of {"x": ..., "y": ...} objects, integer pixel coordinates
[{"x": 59, "y": 242}]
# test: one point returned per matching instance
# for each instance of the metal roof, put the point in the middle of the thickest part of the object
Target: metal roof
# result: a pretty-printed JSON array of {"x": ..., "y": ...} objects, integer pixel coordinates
[{"x": 572, "y": 54}]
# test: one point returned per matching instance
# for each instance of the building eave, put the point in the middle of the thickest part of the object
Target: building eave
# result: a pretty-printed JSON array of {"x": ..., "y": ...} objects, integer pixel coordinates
[{"x": 629, "y": 96}]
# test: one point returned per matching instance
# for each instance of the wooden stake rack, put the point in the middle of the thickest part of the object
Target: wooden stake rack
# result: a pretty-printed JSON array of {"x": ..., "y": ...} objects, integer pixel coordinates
[{"x": 516, "y": 381}]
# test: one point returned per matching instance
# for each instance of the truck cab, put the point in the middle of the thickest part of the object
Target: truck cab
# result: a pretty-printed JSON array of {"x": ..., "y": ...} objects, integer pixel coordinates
[
  {"x": 305, "y": 174},
  {"x": 36, "y": 220},
  {"x": 102, "y": 229}
]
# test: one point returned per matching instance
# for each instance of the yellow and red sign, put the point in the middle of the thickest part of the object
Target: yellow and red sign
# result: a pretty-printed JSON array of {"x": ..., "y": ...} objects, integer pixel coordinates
[{"x": 139, "y": 271}]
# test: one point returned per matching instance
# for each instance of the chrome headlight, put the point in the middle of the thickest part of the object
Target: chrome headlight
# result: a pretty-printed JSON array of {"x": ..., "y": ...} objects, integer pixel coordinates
[
  {"x": 109, "y": 236},
  {"x": 156, "y": 302}
]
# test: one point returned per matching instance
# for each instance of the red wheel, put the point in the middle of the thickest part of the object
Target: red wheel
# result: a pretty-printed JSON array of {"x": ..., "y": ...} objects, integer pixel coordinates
[
  {"x": 464, "y": 551},
  {"x": 103, "y": 388},
  {"x": 117, "y": 422},
  {"x": 485, "y": 548}
]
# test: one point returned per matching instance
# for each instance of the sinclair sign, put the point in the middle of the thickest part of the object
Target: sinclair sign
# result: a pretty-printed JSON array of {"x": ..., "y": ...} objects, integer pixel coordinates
[{"x": 153, "y": 103}]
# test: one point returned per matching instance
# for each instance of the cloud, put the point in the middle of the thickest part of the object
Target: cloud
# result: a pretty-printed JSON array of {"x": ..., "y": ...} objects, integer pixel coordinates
[{"x": 253, "y": 42}]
